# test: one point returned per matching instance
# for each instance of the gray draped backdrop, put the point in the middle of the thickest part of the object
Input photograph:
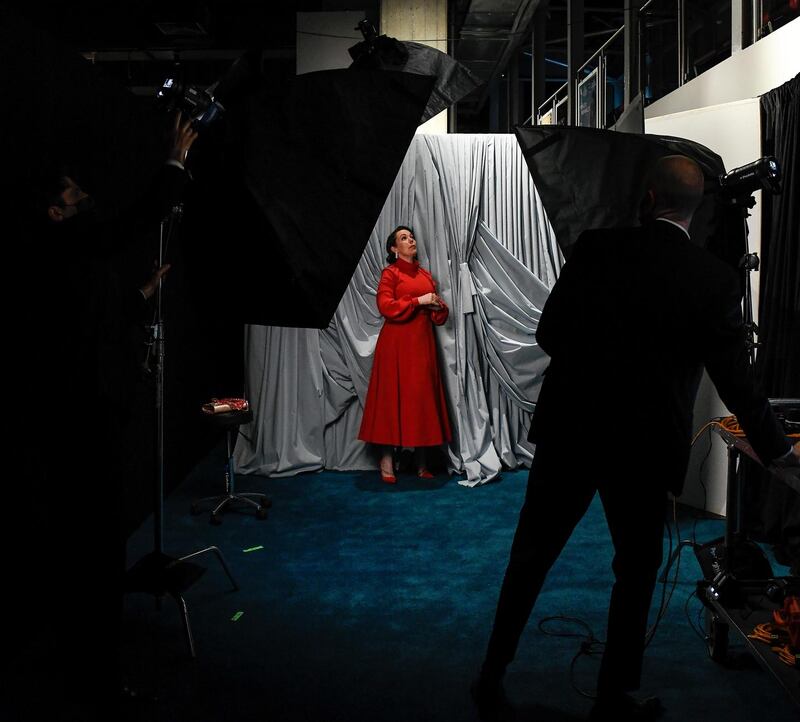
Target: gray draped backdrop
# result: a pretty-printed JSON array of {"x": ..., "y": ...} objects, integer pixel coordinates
[{"x": 482, "y": 232}]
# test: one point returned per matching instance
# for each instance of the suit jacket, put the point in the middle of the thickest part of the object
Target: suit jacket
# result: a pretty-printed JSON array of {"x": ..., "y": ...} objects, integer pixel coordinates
[{"x": 631, "y": 321}]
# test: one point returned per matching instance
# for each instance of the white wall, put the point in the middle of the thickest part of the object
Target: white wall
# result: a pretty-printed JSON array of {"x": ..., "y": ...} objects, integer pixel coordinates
[
  {"x": 323, "y": 39},
  {"x": 733, "y": 131},
  {"x": 720, "y": 109},
  {"x": 746, "y": 74}
]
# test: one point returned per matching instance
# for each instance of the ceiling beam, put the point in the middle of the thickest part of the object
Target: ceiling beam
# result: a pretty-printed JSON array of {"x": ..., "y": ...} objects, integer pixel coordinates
[{"x": 517, "y": 36}]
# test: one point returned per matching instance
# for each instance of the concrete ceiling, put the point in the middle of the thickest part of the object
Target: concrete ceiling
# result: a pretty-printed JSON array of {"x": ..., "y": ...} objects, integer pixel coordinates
[{"x": 489, "y": 32}]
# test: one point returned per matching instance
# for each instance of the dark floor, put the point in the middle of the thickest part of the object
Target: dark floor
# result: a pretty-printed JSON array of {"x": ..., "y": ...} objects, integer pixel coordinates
[
  {"x": 363, "y": 601},
  {"x": 357, "y": 601}
]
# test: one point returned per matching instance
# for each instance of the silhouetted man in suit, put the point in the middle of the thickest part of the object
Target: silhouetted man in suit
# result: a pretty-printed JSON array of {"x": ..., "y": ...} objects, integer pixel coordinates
[{"x": 632, "y": 320}]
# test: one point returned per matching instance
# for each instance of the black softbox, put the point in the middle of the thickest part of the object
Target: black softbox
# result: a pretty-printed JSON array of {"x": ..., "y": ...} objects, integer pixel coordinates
[
  {"x": 590, "y": 178},
  {"x": 302, "y": 182}
]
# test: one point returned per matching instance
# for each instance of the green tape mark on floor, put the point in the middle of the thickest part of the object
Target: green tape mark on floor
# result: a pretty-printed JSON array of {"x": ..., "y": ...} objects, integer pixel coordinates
[
  {"x": 253, "y": 549},
  {"x": 236, "y": 617}
]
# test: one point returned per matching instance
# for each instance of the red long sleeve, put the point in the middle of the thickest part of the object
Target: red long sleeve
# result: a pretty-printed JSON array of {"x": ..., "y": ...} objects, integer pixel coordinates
[{"x": 394, "y": 309}]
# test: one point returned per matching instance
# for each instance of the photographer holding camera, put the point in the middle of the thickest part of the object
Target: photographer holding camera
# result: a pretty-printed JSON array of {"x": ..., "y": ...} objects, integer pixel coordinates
[{"x": 82, "y": 374}]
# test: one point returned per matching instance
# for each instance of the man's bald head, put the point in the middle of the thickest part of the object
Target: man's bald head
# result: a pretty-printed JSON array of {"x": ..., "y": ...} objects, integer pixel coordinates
[{"x": 674, "y": 189}]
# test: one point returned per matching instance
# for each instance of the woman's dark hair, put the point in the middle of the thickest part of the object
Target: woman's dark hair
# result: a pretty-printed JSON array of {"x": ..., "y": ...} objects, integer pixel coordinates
[{"x": 390, "y": 241}]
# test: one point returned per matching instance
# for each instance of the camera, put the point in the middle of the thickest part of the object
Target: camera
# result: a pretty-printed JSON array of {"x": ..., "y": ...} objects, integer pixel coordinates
[{"x": 193, "y": 101}]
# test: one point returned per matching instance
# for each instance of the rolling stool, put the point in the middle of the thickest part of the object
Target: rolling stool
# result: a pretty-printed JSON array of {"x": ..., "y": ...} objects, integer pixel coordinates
[{"x": 230, "y": 421}]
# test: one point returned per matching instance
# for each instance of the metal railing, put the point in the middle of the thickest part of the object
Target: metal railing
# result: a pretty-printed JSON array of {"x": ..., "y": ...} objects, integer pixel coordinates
[
  {"x": 548, "y": 112},
  {"x": 666, "y": 57},
  {"x": 595, "y": 73}
]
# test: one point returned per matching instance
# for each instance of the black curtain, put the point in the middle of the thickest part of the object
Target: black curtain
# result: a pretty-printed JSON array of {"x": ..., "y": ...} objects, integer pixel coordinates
[
  {"x": 779, "y": 303},
  {"x": 773, "y": 508}
]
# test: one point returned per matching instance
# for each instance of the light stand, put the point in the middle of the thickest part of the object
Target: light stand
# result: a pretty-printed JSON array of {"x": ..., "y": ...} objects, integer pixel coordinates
[
  {"x": 724, "y": 586},
  {"x": 732, "y": 566},
  {"x": 747, "y": 263},
  {"x": 157, "y": 573}
]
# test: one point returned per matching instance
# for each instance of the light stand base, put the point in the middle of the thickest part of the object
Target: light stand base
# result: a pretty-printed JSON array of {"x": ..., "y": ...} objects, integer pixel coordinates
[{"x": 159, "y": 574}]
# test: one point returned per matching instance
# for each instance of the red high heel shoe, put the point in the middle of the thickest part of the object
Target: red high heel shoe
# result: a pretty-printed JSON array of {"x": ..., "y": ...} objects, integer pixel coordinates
[
  {"x": 423, "y": 473},
  {"x": 388, "y": 478}
]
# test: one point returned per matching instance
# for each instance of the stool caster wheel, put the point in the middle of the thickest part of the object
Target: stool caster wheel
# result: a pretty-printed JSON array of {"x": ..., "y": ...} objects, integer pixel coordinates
[
  {"x": 261, "y": 513},
  {"x": 266, "y": 502},
  {"x": 195, "y": 509},
  {"x": 215, "y": 519}
]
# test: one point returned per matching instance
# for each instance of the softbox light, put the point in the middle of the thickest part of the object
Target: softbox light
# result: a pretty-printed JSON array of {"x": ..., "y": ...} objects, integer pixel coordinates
[
  {"x": 590, "y": 178},
  {"x": 304, "y": 178},
  {"x": 453, "y": 81}
]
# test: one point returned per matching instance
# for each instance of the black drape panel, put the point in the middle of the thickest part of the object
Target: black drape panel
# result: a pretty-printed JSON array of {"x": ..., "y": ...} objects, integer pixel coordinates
[
  {"x": 773, "y": 509},
  {"x": 779, "y": 307}
]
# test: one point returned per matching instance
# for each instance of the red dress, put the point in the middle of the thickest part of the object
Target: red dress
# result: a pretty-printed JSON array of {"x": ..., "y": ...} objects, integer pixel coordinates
[{"x": 405, "y": 403}]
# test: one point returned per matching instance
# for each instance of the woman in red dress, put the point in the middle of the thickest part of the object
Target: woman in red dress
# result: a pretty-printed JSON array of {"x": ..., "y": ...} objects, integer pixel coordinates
[{"x": 405, "y": 403}]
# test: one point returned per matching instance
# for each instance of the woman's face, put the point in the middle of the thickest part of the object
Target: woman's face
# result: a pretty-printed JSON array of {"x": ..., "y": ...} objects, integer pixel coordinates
[{"x": 405, "y": 245}]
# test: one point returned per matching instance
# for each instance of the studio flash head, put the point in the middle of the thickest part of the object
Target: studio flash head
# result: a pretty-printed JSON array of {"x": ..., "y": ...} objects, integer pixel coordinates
[
  {"x": 193, "y": 101},
  {"x": 761, "y": 174}
]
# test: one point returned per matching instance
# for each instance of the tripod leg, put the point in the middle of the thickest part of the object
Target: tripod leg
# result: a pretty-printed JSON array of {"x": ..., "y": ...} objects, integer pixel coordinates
[
  {"x": 221, "y": 558},
  {"x": 181, "y": 602}
]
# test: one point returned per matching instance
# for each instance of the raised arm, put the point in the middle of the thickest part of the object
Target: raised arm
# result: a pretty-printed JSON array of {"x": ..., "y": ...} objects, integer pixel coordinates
[{"x": 726, "y": 360}]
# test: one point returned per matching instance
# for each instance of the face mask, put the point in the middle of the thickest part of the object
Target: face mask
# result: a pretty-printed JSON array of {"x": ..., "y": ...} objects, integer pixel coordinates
[{"x": 83, "y": 205}]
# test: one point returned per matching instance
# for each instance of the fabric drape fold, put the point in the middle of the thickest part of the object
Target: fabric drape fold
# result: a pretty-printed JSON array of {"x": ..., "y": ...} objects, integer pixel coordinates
[
  {"x": 774, "y": 509},
  {"x": 286, "y": 434},
  {"x": 483, "y": 235},
  {"x": 779, "y": 306}
]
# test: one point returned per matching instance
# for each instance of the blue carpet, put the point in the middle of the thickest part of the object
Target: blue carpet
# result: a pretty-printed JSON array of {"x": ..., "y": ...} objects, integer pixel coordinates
[{"x": 374, "y": 602}]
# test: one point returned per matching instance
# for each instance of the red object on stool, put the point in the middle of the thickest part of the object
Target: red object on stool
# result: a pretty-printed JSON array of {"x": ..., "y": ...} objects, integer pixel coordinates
[{"x": 231, "y": 421}]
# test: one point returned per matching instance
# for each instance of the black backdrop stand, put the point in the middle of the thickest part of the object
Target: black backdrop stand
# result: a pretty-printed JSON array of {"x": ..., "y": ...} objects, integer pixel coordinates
[
  {"x": 158, "y": 573},
  {"x": 724, "y": 585},
  {"x": 749, "y": 262}
]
